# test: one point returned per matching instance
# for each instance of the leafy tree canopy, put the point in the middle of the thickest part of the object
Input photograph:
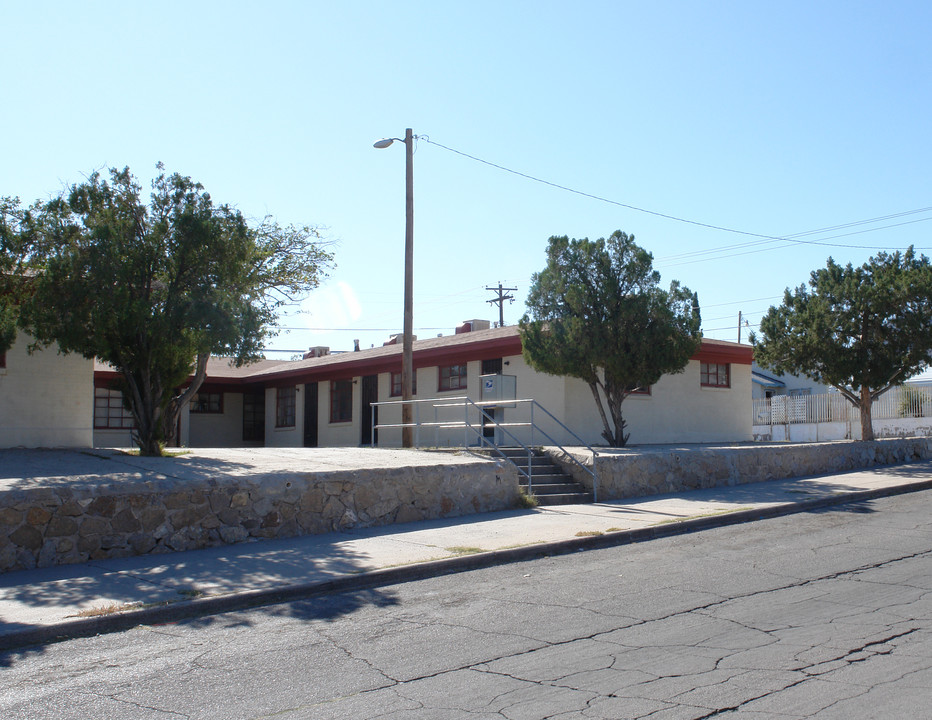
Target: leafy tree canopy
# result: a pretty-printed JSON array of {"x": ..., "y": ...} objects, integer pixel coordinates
[
  {"x": 12, "y": 270},
  {"x": 596, "y": 312},
  {"x": 860, "y": 329},
  {"x": 155, "y": 288}
]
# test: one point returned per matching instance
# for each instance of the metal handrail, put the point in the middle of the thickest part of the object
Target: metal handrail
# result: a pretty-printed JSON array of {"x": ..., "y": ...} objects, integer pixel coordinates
[
  {"x": 592, "y": 472},
  {"x": 464, "y": 402},
  {"x": 467, "y": 403}
]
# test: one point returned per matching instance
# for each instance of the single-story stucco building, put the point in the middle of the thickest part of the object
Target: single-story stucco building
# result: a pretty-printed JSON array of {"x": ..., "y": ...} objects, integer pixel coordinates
[{"x": 330, "y": 399}]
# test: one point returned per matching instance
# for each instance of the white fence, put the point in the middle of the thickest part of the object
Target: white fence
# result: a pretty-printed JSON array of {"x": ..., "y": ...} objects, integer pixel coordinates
[{"x": 899, "y": 411}]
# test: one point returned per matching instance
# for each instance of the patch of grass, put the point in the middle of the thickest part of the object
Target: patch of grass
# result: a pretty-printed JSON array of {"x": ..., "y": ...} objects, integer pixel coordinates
[
  {"x": 464, "y": 550},
  {"x": 589, "y": 533},
  {"x": 526, "y": 500},
  {"x": 114, "y": 608},
  {"x": 165, "y": 453},
  {"x": 614, "y": 529},
  {"x": 520, "y": 545},
  {"x": 190, "y": 593}
]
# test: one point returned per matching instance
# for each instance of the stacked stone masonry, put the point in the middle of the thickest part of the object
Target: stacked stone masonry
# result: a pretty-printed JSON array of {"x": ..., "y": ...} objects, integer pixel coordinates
[
  {"x": 62, "y": 524},
  {"x": 639, "y": 472},
  {"x": 65, "y": 523}
]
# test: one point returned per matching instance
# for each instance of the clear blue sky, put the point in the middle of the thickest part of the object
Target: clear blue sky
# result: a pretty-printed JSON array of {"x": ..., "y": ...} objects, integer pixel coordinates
[{"x": 772, "y": 119}]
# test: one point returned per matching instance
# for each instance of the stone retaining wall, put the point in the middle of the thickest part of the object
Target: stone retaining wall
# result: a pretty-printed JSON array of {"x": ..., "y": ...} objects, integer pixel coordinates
[
  {"x": 627, "y": 473},
  {"x": 65, "y": 523}
]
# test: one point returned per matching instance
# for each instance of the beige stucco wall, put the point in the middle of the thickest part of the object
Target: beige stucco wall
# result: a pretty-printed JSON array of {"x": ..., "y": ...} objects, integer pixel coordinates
[
  {"x": 104, "y": 438},
  {"x": 46, "y": 399},
  {"x": 217, "y": 430},
  {"x": 426, "y": 383},
  {"x": 529, "y": 384},
  {"x": 197, "y": 429},
  {"x": 345, "y": 434},
  {"x": 284, "y": 436},
  {"x": 339, "y": 434},
  {"x": 677, "y": 410}
]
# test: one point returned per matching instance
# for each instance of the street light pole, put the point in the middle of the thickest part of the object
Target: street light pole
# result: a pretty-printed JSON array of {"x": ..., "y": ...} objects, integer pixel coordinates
[{"x": 407, "y": 354}]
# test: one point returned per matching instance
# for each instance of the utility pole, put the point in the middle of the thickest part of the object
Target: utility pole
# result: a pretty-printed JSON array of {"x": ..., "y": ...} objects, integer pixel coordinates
[
  {"x": 407, "y": 365},
  {"x": 500, "y": 300},
  {"x": 741, "y": 323},
  {"x": 407, "y": 352}
]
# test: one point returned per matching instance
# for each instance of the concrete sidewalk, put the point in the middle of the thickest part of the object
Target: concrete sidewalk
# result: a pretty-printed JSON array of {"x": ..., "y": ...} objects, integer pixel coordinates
[{"x": 44, "y": 605}]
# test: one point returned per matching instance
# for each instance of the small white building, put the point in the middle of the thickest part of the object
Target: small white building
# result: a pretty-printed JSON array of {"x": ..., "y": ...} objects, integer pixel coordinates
[
  {"x": 767, "y": 384},
  {"x": 46, "y": 398}
]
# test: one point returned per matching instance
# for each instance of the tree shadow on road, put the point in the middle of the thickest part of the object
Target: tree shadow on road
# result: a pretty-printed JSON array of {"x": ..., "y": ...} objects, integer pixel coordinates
[{"x": 199, "y": 587}]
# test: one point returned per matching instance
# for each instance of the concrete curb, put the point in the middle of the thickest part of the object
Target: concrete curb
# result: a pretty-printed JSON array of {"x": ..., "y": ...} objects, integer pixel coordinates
[{"x": 200, "y": 607}]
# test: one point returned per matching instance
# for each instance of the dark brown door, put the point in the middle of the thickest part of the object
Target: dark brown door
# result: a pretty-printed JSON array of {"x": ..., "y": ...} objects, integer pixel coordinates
[
  {"x": 369, "y": 394},
  {"x": 310, "y": 415}
]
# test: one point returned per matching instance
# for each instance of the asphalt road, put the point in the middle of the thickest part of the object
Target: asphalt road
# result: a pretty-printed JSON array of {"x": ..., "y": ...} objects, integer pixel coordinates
[{"x": 821, "y": 615}]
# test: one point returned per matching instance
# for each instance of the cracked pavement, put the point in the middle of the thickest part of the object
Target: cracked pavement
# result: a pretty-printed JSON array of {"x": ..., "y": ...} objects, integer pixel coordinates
[{"x": 817, "y": 615}]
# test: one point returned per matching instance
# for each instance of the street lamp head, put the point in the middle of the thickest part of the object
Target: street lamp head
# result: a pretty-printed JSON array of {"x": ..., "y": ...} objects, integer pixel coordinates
[{"x": 383, "y": 143}]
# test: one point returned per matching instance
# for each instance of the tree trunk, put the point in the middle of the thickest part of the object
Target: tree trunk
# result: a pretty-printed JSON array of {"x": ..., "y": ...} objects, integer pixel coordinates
[
  {"x": 147, "y": 435},
  {"x": 615, "y": 396},
  {"x": 867, "y": 425},
  {"x": 171, "y": 414},
  {"x": 606, "y": 428},
  {"x": 149, "y": 446}
]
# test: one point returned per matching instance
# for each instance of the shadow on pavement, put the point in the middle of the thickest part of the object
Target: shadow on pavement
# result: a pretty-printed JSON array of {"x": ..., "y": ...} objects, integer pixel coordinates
[
  {"x": 97, "y": 591},
  {"x": 24, "y": 469}
]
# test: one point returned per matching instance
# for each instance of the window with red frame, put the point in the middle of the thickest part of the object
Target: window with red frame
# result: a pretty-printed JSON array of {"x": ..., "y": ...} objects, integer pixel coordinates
[
  {"x": 396, "y": 384},
  {"x": 452, "y": 377},
  {"x": 285, "y": 406},
  {"x": 341, "y": 401},
  {"x": 207, "y": 402},
  {"x": 715, "y": 375},
  {"x": 109, "y": 413}
]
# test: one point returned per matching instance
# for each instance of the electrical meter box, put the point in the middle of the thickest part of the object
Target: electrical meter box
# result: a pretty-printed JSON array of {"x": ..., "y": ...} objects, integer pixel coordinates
[{"x": 498, "y": 389}]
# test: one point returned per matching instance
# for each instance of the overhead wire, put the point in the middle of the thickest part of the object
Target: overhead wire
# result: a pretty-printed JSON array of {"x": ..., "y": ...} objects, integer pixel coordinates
[
  {"x": 774, "y": 242},
  {"x": 766, "y": 238}
]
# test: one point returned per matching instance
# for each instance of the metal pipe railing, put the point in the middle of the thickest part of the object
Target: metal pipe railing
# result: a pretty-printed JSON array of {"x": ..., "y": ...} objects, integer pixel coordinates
[{"x": 468, "y": 427}]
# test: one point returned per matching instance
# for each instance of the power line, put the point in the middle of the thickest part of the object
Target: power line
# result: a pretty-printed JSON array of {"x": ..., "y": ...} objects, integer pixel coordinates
[
  {"x": 329, "y": 329},
  {"x": 789, "y": 243},
  {"x": 739, "y": 302},
  {"x": 794, "y": 239}
]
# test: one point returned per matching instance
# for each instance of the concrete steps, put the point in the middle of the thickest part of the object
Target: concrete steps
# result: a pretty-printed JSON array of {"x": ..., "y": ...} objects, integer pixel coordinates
[{"x": 551, "y": 486}]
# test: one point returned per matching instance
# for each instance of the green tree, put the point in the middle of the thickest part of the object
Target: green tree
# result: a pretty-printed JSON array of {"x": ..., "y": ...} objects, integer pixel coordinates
[
  {"x": 13, "y": 272},
  {"x": 860, "y": 329},
  {"x": 596, "y": 312},
  {"x": 154, "y": 289}
]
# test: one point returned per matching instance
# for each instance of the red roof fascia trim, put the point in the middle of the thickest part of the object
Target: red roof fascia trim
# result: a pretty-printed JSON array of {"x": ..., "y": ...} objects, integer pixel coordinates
[
  {"x": 430, "y": 357},
  {"x": 500, "y": 347},
  {"x": 737, "y": 354},
  {"x": 507, "y": 346},
  {"x": 106, "y": 379}
]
